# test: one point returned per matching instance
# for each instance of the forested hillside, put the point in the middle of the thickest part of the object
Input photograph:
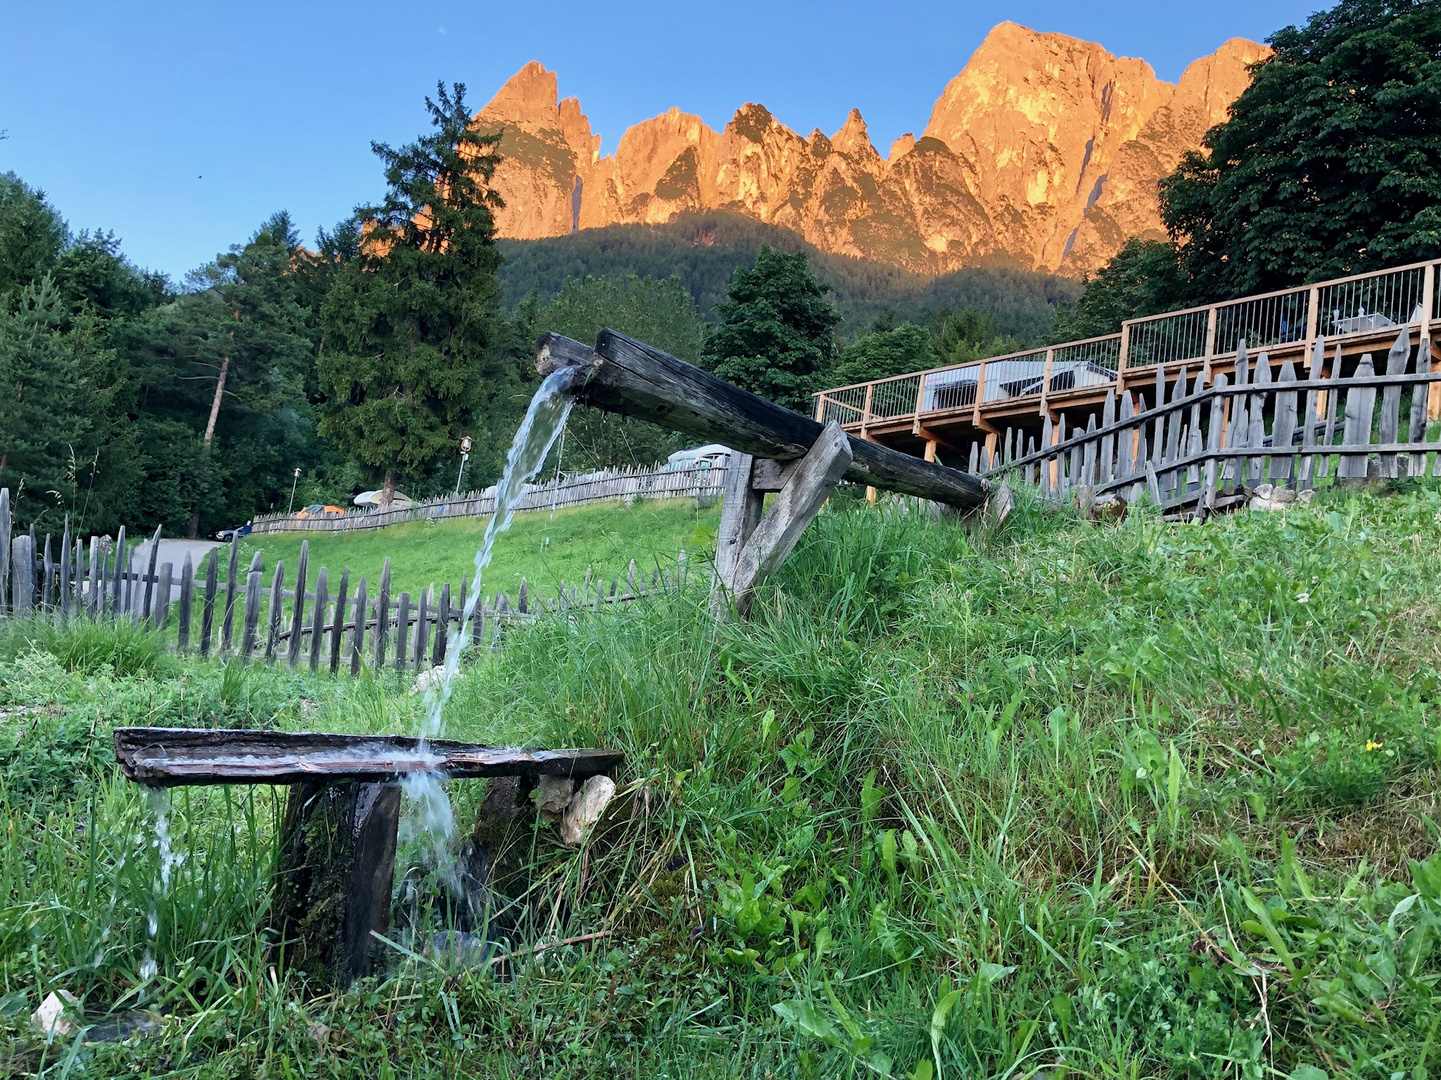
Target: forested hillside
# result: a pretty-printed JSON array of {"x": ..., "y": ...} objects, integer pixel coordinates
[{"x": 705, "y": 249}]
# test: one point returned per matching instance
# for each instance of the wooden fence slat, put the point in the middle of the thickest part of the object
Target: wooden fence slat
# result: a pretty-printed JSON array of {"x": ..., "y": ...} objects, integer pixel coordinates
[
  {"x": 297, "y": 612},
  {"x": 402, "y": 630},
  {"x": 1306, "y": 472},
  {"x": 1396, "y": 363},
  {"x": 337, "y": 627},
  {"x": 63, "y": 588},
  {"x": 1360, "y": 410},
  {"x": 252, "y": 607},
  {"x": 422, "y": 627},
  {"x": 148, "y": 597},
  {"x": 161, "y": 614},
  {"x": 1283, "y": 427},
  {"x": 47, "y": 596},
  {"x": 277, "y": 601},
  {"x": 77, "y": 602},
  {"x": 317, "y": 629},
  {"x": 232, "y": 584},
  {"x": 357, "y": 638},
  {"x": 207, "y": 608},
  {"x": 442, "y": 625},
  {"x": 1256, "y": 413},
  {"x": 22, "y": 575},
  {"x": 382, "y": 617},
  {"x": 5, "y": 589},
  {"x": 1333, "y": 398},
  {"x": 1108, "y": 442},
  {"x": 187, "y": 584},
  {"x": 92, "y": 597},
  {"x": 1419, "y": 395},
  {"x": 118, "y": 579}
]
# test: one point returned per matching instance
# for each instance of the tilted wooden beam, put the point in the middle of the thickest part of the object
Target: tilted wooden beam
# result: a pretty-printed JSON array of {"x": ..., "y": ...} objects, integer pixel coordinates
[{"x": 622, "y": 375}]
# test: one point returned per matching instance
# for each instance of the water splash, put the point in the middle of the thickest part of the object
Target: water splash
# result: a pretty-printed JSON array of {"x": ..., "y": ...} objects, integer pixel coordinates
[{"x": 158, "y": 800}]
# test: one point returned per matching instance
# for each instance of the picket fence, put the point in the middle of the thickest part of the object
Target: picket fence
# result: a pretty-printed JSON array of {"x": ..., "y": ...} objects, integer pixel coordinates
[
  {"x": 1207, "y": 443},
  {"x": 701, "y": 481},
  {"x": 311, "y": 622}
]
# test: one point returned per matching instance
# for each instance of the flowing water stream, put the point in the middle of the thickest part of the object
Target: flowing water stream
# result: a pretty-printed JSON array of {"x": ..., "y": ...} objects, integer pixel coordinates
[{"x": 429, "y": 820}]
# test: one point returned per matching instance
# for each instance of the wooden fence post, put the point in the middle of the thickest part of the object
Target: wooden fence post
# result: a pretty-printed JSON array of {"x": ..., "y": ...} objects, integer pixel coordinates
[
  {"x": 207, "y": 610},
  {"x": 252, "y": 608},
  {"x": 232, "y": 585},
  {"x": 5, "y": 591},
  {"x": 22, "y": 575},
  {"x": 382, "y": 617},
  {"x": 277, "y": 603},
  {"x": 337, "y": 630},
  {"x": 187, "y": 585},
  {"x": 162, "y": 599},
  {"x": 357, "y": 637},
  {"x": 317, "y": 630},
  {"x": 297, "y": 611}
]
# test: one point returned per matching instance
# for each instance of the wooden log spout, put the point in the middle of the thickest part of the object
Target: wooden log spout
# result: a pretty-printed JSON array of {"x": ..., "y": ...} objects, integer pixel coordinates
[{"x": 626, "y": 376}]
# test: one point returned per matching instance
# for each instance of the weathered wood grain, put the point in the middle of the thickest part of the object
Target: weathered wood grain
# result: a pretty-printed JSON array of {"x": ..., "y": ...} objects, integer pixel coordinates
[{"x": 627, "y": 376}]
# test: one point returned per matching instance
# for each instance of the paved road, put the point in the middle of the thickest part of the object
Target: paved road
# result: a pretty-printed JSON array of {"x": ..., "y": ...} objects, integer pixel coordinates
[{"x": 172, "y": 552}]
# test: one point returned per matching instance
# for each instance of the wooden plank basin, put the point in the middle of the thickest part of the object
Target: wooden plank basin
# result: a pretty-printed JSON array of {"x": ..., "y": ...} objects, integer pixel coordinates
[{"x": 169, "y": 757}]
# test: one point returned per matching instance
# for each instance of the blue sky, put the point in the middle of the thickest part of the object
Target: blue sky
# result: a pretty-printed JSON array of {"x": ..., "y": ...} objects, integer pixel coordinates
[{"x": 182, "y": 126}]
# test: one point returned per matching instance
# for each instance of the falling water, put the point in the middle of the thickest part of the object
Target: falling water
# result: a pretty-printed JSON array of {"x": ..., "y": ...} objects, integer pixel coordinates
[
  {"x": 159, "y": 801},
  {"x": 428, "y": 816}
]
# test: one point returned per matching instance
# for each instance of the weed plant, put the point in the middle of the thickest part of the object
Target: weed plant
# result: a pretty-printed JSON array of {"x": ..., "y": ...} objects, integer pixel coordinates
[{"x": 1050, "y": 799}]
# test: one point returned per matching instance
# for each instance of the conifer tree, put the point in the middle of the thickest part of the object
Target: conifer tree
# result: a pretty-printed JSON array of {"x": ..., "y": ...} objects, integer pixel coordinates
[
  {"x": 415, "y": 343},
  {"x": 778, "y": 337}
]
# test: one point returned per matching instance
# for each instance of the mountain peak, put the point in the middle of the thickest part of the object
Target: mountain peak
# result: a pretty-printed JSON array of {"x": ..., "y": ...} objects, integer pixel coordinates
[{"x": 1044, "y": 148}]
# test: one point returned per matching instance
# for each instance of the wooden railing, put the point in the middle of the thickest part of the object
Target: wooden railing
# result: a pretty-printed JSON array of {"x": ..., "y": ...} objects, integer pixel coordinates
[
  {"x": 1266, "y": 425},
  {"x": 223, "y": 609},
  {"x": 1290, "y": 318}
]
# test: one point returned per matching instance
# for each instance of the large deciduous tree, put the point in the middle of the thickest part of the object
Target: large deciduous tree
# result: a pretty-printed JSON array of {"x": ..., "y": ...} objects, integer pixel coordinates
[
  {"x": 414, "y": 340},
  {"x": 1330, "y": 163},
  {"x": 778, "y": 335}
]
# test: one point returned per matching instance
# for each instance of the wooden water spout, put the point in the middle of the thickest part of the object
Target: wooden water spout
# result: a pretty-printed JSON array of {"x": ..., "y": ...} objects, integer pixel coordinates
[
  {"x": 773, "y": 450},
  {"x": 336, "y": 870}
]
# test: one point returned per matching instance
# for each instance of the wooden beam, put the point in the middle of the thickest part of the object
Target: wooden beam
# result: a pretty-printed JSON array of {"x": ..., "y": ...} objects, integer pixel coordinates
[
  {"x": 795, "y": 507},
  {"x": 169, "y": 757},
  {"x": 626, "y": 376}
]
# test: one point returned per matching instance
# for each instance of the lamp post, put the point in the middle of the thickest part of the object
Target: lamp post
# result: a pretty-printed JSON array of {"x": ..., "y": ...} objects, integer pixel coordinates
[
  {"x": 291, "y": 507},
  {"x": 465, "y": 445}
]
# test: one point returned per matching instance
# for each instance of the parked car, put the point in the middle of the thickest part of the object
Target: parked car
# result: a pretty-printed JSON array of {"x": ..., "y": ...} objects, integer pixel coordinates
[
  {"x": 226, "y": 535},
  {"x": 315, "y": 510}
]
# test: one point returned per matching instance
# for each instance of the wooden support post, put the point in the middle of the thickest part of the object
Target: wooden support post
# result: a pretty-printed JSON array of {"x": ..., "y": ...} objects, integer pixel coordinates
[
  {"x": 336, "y": 873},
  {"x": 740, "y": 514},
  {"x": 795, "y": 507}
]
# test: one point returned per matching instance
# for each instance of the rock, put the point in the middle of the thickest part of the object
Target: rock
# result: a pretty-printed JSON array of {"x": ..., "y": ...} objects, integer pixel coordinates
[
  {"x": 1044, "y": 148},
  {"x": 57, "y": 1014},
  {"x": 1305, "y": 498},
  {"x": 1109, "y": 508},
  {"x": 553, "y": 795},
  {"x": 1283, "y": 495},
  {"x": 585, "y": 810},
  {"x": 432, "y": 677}
]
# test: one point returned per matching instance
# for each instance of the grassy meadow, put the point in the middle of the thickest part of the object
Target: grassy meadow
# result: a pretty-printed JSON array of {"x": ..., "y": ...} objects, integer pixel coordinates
[
  {"x": 543, "y": 547},
  {"x": 1046, "y": 800}
]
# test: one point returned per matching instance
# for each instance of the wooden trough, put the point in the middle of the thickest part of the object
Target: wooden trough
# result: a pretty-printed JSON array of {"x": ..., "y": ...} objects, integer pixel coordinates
[
  {"x": 336, "y": 870},
  {"x": 774, "y": 449}
]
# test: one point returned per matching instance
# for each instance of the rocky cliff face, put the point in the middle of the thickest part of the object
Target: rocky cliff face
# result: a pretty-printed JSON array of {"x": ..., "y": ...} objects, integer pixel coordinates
[{"x": 1044, "y": 148}]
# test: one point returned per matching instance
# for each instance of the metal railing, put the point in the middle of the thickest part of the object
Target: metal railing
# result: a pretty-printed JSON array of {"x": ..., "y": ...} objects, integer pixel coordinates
[{"x": 1342, "y": 308}]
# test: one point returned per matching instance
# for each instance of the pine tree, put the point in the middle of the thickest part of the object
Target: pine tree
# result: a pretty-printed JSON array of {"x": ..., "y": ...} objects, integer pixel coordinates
[
  {"x": 415, "y": 343},
  {"x": 778, "y": 337}
]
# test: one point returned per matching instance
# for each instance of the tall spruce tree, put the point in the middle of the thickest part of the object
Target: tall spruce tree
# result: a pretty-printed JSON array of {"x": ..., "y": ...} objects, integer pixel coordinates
[
  {"x": 778, "y": 337},
  {"x": 415, "y": 343}
]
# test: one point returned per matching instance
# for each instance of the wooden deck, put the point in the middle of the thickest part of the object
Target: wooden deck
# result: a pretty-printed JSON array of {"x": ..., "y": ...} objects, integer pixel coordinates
[{"x": 942, "y": 413}]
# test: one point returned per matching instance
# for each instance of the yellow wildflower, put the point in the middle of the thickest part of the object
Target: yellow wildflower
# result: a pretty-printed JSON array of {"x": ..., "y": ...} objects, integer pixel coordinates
[{"x": 1372, "y": 746}]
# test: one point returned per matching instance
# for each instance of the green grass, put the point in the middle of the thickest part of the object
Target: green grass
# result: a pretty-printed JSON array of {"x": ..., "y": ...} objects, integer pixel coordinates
[
  {"x": 546, "y": 549},
  {"x": 1056, "y": 800}
]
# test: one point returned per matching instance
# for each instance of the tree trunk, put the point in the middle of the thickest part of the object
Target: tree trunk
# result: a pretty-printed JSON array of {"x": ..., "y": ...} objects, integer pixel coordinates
[
  {"x": 387, "y": 490},
  {"x": 210, "y": 436}
]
